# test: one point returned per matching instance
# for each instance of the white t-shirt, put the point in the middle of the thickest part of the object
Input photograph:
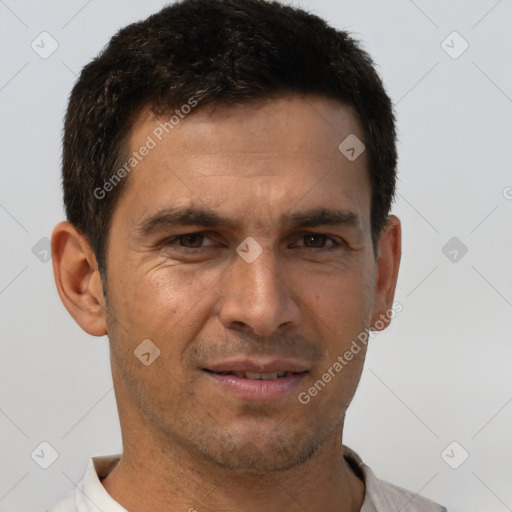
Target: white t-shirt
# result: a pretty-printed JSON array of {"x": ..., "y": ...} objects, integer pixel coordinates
[{"x": 380, "y": 496}]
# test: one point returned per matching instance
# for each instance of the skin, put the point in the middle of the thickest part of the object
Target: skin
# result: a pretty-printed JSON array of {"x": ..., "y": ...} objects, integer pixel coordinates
[{"x": 187, "y": 444}]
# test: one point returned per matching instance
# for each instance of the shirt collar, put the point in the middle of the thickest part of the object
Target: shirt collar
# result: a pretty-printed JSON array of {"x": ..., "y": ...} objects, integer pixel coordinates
[{"x": 91, "y": 496}]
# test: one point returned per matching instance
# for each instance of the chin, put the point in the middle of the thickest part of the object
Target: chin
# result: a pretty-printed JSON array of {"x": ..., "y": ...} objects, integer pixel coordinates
[{"x": 263, "y": 451}]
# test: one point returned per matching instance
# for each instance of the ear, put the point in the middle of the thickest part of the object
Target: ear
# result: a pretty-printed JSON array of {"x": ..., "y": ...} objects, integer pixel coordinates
[
  {"x": 388, "y": 262},
  {"x": 78, "y": 280}
]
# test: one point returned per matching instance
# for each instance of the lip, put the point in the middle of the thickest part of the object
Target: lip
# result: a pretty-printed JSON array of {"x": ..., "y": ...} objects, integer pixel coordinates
[
  {"x": 256, "y": 389},
  {"x": 260, "y": 365}
]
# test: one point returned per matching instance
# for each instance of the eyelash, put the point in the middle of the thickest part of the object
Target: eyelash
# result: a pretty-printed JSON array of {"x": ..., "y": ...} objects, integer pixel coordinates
[{"x": 171, "y": 241}]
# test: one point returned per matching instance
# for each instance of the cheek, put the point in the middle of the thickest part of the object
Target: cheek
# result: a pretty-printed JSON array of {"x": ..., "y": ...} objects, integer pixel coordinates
[
  {"x": 340, "y": 303},
  {"x": 168, "y": 305}
]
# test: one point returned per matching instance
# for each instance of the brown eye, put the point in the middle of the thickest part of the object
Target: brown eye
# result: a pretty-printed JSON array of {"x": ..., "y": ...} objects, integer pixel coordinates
[
  {"x": 315, "y": 240},
  {"x": 193, "y": 240}
]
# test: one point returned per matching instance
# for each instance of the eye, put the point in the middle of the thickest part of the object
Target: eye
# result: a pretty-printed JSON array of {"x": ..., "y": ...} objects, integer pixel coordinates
[
  {"x": 318, "y": 241},
  {"x": 190, "y": 240}
]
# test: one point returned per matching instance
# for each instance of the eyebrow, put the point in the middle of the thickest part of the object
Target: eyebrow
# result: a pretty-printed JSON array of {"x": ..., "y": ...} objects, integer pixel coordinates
[
  {"x": 322, "y": 217},
  {"x": 169, "y": 217},
  {"x": 200, "y": 216}
]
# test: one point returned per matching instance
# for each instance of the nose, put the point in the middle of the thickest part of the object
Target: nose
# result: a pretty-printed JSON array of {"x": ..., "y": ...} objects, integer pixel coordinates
[{"x": 257, "y": 296}]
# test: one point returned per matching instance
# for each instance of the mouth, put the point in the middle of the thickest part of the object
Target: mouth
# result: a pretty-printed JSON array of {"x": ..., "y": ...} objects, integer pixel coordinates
[{"x": 257, "y": 386}]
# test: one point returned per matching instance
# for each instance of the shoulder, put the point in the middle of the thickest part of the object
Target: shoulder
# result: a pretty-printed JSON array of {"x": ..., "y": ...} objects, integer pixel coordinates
[
  {"x": 382, "y": 496},
  {"x": 89, "y": 495},
  {"x": 405, "y": 500}
]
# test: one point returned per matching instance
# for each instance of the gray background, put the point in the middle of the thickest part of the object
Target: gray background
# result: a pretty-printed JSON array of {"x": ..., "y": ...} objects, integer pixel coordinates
[{"x": 439, "y": 374}]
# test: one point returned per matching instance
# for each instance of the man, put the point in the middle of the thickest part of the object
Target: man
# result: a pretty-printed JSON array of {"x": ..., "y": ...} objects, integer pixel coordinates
[{"x": 228, "y": 171}]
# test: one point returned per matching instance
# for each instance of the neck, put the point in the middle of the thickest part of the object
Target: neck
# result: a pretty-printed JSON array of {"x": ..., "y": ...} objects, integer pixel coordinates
[{"x": 152, "y": 476}]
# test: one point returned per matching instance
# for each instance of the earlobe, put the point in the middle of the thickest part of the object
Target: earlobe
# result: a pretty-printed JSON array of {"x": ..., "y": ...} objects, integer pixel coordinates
[
  {"x": 77, "y": 278},
  {"x": 388, "y": 263}
]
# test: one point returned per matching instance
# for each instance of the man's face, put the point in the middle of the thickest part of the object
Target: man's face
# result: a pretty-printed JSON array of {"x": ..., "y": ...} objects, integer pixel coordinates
[{"x": 264, "y": 171}]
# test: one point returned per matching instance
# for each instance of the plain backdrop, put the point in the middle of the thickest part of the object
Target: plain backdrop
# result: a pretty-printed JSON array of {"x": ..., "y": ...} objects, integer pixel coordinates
[{"x": 441, "y": 374}]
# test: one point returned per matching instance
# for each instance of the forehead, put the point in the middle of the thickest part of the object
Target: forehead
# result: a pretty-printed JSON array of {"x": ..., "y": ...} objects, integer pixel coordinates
[
  {"x": 290, "y": 124},
  {"x": 268, "y": 156}
]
